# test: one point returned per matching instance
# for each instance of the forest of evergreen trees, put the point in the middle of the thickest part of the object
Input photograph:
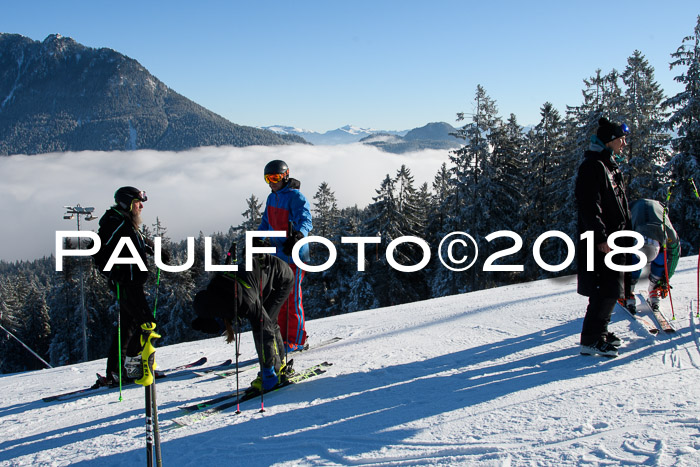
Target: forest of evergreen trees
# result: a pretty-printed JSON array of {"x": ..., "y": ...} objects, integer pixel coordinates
[{"x": 502, "y": 178}]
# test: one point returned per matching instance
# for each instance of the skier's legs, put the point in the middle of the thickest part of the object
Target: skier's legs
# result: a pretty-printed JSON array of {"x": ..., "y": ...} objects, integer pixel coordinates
[
  {"x": 595, "y": 323},
  {"x": 133, "y": 310},
  {"x": 291, "y": 318}
]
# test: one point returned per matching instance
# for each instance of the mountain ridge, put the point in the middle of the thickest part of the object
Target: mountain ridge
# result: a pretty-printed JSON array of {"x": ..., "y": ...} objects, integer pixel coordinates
[
  {"x": 436, "y": 135},
  {"x": 58, "y": 95}
]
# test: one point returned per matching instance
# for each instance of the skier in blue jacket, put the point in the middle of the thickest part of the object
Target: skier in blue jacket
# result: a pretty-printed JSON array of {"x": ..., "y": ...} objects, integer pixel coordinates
[{"x": 288, "y": 210}]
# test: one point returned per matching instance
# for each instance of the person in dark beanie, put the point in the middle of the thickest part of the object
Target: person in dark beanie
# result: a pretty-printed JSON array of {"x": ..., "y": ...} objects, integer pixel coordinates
[{"x": 602, "y": 209}]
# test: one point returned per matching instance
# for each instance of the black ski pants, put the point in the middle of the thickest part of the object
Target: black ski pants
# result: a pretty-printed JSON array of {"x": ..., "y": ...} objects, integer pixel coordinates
[
  {"x": 595, "y": 323},
  {"x": 133, "y": 311}
]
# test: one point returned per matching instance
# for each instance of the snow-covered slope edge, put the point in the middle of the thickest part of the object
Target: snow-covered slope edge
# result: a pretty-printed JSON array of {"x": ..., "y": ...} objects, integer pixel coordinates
[{"x": 487, "y": 378}]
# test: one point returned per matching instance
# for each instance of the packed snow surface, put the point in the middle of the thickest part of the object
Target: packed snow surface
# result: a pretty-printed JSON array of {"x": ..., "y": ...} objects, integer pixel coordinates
[{"x": 487, "y": 378}]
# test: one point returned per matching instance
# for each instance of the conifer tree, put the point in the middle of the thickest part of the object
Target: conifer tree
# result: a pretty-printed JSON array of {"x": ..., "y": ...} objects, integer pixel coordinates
[
  {"x": 685, "y": 121},
  {"x": 325, "y": 211},
  {"x": 647, "y": 142},
  {"x": 253, "y": 214},
  {"x": 320, "y": 291},
  {"x": 35, "y": 328},
  {"x": 548, "y": 189},
  {"x": 473, "y": 176}
]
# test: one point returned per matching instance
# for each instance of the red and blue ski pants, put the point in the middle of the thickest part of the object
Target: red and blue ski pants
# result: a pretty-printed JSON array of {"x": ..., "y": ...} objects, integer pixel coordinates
[{"x": 291, "y": 317}]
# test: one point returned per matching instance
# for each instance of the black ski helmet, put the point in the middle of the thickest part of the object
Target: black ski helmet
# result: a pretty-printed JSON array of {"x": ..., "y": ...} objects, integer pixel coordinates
[
  {"x": 126, "y": 194},
  {"x": 276, "y": 167}
]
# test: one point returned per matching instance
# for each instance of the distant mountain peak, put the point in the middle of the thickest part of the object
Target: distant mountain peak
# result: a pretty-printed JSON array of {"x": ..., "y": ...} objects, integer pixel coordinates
[
  {"x": 356, "y": 130},
  {"x": 58, "y": 95},
  {"x": 344, "y": 135}
]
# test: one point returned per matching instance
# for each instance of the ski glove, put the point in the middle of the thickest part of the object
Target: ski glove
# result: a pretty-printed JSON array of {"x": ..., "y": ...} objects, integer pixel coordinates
[{"x": 291, "y": 241}]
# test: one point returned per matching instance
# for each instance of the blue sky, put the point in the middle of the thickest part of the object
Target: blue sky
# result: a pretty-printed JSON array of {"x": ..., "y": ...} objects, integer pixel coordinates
[{"x": 391, "y": 65}]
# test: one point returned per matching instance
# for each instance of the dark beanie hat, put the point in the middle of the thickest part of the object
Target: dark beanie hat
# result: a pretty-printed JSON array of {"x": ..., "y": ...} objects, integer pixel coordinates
[{"x": 608, "y": 131}]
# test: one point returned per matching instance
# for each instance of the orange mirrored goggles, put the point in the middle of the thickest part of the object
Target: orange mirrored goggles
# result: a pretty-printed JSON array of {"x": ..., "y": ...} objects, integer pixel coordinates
[{"x": 275, "y": 178}]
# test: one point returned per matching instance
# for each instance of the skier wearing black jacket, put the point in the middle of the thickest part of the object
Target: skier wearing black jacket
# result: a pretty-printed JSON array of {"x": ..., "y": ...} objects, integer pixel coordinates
[
  {"x": 122, "y": 221},
  {"x": 257, "y": 295},
  {"x": 603, "y": 209}
]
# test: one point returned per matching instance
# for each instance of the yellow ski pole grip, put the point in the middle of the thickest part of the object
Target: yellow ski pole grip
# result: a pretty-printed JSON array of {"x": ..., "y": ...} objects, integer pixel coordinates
[{"x": 148, "y": 351}]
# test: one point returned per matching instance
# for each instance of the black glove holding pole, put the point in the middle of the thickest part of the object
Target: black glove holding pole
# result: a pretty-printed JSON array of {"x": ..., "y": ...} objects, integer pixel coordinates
[{"x": 291, "y": 241}]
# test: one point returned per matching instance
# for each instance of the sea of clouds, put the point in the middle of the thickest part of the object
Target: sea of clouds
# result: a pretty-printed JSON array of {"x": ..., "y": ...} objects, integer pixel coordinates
[{"x": 204, "y": 189}]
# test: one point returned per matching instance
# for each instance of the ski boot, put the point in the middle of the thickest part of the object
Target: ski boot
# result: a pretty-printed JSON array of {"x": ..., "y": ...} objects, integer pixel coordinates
[
  {"x": 599, "y": 348},
  {"x": 268, "y": 378},
  {"x": 613, "y": 340},
  {"x": 133, "y": 367},
  {"x": 629, "y": 303}
]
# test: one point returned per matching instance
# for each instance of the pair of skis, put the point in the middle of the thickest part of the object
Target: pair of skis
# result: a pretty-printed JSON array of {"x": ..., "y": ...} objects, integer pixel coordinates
[
  {"x": 644, "y": 310},
  {"x": 203, "y": 410},
  {"x": 86, "y": 391},
  {"x": 253, "y": 363}
]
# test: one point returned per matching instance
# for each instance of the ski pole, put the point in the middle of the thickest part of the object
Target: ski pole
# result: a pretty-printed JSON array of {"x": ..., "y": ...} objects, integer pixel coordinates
[
  {"x": 693, "y": 187},
  {"x": 262, "y": 348},
  {"x": 148, "y": 365},
  {"x": 233, "y": 257},
  {"x": 290, "y": 230},
  {"x": 119, "y": 340},
  {"x": 149, "y": 429},
  {"x": 668, "y": 284},
  {"x": 697, "y": 298},
  {"x": 262, "y": 389},
  {"x": 156, "y": 429},
  {"x": 155, "y": 302}
]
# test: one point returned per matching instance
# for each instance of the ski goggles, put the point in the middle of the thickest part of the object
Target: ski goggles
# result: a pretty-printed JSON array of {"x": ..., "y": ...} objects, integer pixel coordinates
[
  {"x": 621, "y": 130},
  {"x": 275, "y": 178},
  {"x": 140, "y": 196}
]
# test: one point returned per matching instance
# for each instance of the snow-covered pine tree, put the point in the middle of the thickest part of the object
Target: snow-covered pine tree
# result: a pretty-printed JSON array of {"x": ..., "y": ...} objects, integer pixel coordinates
[
  {"x": 12, "y": 295},
  {"x": 353, "y": 290},
  {"x": 647, "y": 144},
  {"x": 253, "y": 214},
  {"x": 66, "y": 314},
  {"x": 547, "y": 188},
  {"x": 391, "y": 217},
  {"x": 470, "y": 207},
  {"x": 685, "y": 121},
  {"x": 407, "y": 199},
  {"x": 35, "y": 329},
  {"x": 325, "y": 209},
  {"x": 425, "y": 208},
  {"x": 600, "y": 98},
  {"x": 614, "y": 102},
  {"x": 509, "y": 200},
  {"x": 319, "y": 292},
  {"x": 443, "y": 188}
]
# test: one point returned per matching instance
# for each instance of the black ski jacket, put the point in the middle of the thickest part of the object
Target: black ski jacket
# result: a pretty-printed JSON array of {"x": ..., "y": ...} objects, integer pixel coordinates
[
  {"x": 257, "y": 294},
  {"x": 603, "y": 209},
  {"x": 114, "y": 225}
]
